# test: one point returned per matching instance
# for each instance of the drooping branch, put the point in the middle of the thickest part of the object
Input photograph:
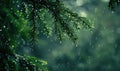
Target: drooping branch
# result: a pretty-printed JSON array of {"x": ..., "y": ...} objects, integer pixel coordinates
[
  {"x": 33, "y": 18},
  {"x": 63, "y": 17}
]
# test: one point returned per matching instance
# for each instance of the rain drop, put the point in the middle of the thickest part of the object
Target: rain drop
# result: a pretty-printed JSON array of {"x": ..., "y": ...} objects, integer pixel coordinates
[
  {"x": 0, "y": 30},
  {"x": 60, "y": 42},
  {"x": 76, "y": 45},
  {"x": 13, "y": 46},
  {"x": 4, "y": 26},
  {"x": 113, "y": 12}
]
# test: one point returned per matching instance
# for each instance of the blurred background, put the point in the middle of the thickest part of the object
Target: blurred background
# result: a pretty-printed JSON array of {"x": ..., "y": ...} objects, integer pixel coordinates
[{"x": 96, "y": 50}]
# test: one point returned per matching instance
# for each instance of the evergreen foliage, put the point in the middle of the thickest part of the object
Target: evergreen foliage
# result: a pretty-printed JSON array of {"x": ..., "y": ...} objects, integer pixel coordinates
[{"x": 25, "y": 20}]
